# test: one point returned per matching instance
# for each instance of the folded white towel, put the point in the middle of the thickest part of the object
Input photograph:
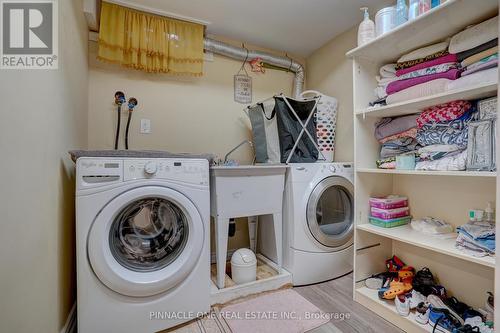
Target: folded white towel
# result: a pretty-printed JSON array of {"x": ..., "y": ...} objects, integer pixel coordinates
[
  {"x": 388, "y": 70},
  {"x": 424, "y": 51},
  {"x": 474, "y": 36}
]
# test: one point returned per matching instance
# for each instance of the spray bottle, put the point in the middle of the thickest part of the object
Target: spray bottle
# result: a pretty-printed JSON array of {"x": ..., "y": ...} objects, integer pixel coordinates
[{"x": 366, "y": 30}]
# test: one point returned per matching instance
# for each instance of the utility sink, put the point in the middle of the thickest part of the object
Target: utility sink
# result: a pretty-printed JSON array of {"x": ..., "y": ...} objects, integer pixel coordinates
[{"x": 246, "y": 190}]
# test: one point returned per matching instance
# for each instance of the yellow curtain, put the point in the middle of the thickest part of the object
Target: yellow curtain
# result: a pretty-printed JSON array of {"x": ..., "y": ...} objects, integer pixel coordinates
[{"x": 150, "y": 43}]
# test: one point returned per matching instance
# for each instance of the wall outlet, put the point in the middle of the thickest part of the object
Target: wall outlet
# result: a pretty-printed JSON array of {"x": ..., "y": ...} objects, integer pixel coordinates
[{"x": 145, "y": 126}]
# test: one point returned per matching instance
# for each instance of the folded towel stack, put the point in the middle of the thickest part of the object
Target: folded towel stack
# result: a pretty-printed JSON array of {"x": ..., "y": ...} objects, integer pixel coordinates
[
  {"x": 477, "y": 47},
  {"x": 477, "y": 238},
  {"x": 397, "y": 136}
]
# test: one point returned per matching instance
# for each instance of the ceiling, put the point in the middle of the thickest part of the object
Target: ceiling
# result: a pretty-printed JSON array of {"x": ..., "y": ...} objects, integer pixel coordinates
[{"x": 295, "y": 26}]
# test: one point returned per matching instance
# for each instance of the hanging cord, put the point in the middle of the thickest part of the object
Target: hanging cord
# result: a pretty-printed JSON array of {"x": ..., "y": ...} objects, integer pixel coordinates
[
  {"x": 132, "y": 103},
  {"x": 119, "y": 100},
  {"x": 244, "y": 62}
]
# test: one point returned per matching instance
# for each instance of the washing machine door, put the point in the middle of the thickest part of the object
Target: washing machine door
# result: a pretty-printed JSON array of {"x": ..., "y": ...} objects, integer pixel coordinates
[
  {"x": 145, "y": 241},
  {"x": 330, "y": 212}
]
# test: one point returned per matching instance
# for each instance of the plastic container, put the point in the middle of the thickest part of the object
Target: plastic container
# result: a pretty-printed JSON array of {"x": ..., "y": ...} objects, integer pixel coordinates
[
  {"x": 366, "y": 30},
  {"x": 401, "y": 12},
  {"x": 385, "y": 20},
  {"x": 390, "y": 223},
  {"x": 405, "y": 162},
  {"x": 388, "y": 214},
  {"x": 243, "y": 266},
  {"x": 424, "y": 6},
  {"x": 413, "y": 10},
  {"x": 389, "y": 202}
]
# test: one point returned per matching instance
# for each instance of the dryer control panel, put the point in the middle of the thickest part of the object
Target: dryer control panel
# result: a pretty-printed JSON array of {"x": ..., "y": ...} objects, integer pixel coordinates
[{"x": 96, "y": 172}]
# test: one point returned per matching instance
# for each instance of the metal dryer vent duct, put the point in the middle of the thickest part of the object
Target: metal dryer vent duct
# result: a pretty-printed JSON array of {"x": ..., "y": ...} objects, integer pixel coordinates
[{"x": 239, "y": 53}]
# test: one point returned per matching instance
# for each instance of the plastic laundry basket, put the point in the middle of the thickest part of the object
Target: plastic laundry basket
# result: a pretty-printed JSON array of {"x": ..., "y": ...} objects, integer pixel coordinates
[{"x": 326, "y": 121}]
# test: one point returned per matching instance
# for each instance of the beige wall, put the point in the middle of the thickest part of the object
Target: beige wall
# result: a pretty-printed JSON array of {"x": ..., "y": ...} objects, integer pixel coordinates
[
  {"x": 330, "y": 72},
  {"x": 196, "y": 115},
  {"x": 43, "y": 115}
]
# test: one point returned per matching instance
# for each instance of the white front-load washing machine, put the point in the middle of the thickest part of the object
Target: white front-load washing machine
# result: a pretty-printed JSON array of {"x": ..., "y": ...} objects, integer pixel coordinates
[
  {"x": 318, "y": 221},
  {"x": 142, "y": 243}
]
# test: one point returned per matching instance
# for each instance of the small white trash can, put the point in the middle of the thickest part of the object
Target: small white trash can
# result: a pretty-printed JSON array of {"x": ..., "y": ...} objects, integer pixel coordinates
[{"x": 243, "y": 266}]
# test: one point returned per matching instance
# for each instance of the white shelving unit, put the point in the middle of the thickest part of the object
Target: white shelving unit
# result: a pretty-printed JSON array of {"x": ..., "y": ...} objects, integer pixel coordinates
[{"x": 443, "y": 194}]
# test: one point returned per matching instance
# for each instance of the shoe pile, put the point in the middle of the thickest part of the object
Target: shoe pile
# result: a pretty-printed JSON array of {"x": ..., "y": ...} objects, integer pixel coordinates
[{"x": 420, "y": 294}]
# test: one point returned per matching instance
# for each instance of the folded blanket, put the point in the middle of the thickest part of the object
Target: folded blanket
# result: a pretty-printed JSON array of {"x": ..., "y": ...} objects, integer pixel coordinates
[
  {"x": 481, "y": 61},
  {"x": 468, "y": 245},
  {"x": 411, "y": 133},
  {"x": 487, "y": 244},
  {"x": 386, "y": 163},
  {"x": 382, "y": 83},
  {"x": 447, "y": 58},
  {"x": 450, "y": 163},
  {"x": 398, "y": 147},
  {"x": 410, "y": 63},
  {"x": 480, "y": 66},
  {"x": 396, "y": 86},
  {"x": 458, "y": 124},
  {"x": 482, "y": 77},
  {"x": 429, "y": 70},
  {"x": 474, "y": 36},
  {"x": 388, "y": 71},
  {"x": 478, "y": 56},
  {"x": 420, "y": 90},
  {"x": 443, "y": 112},
  {"x": 479, "y": 230},
  {"x": 443, "y": 136},
  {"x": 425, "y": 51},
  {"x": 435, "y": 152},
  {"x": 389, "y": 126},
  {"x": 483, "y": 47}
]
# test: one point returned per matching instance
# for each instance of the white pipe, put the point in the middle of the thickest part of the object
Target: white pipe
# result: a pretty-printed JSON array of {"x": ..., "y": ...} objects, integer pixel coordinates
[{"x": 240, "y": 53}]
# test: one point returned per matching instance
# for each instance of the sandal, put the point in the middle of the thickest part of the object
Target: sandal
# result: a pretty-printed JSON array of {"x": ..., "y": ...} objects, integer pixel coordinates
[{"x": 395, "y": 289}]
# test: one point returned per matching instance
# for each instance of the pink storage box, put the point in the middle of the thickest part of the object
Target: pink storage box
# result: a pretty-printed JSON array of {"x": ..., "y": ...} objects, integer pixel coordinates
[
  {"x": 390, "y": 202},
  {"x": 388, "y": 214}
]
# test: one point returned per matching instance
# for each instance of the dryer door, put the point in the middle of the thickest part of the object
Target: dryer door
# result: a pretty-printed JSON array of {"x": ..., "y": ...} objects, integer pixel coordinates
[
  {"x": 330, "y": 212},
  {"x": 145, "y": 241}
]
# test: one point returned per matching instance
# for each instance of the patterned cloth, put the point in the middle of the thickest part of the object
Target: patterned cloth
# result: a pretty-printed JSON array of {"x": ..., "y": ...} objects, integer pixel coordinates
[
  {"x": 441, "y": 68},
  {"x": 411, "y": 133},
  {"x": 398, "y": 147},
  {"x": 399, "y": 85},
  {"x": 450, "y": 163},
  {"x": 443, "y": 136},
  {"x": 407, "y": 64},
  {"x": 443, "y": 112},
  {"x": 447, "y": 58},
  {"x": 458, "y": 124},
  {"x": 435, "y": 152}
]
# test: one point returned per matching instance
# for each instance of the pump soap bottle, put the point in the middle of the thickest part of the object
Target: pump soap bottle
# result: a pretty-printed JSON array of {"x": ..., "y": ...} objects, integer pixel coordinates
[{"x": 366, "y": 31}]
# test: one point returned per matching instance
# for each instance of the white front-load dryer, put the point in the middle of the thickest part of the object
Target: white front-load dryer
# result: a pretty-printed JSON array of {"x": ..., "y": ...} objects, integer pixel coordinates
[
  {"x": 142, "y": 243},
  {"x": 318, "y": 221}
]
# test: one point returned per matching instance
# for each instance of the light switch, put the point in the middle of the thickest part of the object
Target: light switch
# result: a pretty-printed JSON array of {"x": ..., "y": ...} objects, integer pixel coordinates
[{"x": 145, "y": 126}]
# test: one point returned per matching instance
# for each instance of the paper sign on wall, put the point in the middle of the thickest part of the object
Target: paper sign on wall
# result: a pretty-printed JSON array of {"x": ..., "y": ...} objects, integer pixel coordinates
[{"x": 242, "y": 89}]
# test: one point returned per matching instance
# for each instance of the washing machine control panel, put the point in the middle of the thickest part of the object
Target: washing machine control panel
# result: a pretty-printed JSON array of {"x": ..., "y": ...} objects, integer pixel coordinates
[
  {"x": 186, "y": 170},
  {"x": 102, "y": 171}
]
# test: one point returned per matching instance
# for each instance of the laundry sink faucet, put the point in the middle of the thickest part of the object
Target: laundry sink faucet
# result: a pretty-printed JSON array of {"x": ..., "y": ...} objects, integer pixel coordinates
[{"x": 250, "y": 143}]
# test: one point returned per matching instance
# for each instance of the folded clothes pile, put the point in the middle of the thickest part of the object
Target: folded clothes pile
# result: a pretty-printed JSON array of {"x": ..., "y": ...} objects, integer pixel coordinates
[
  {"x": 477, "y": 238},
  {"x": 397, "y": 136},
  {"x": 442, "y": 131},
  {"x": 387, "y": 74},
  {"x": 477, "y": 47},
  {"x": 424, "y": 65},
  {"x": 442, "y": 66}
]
